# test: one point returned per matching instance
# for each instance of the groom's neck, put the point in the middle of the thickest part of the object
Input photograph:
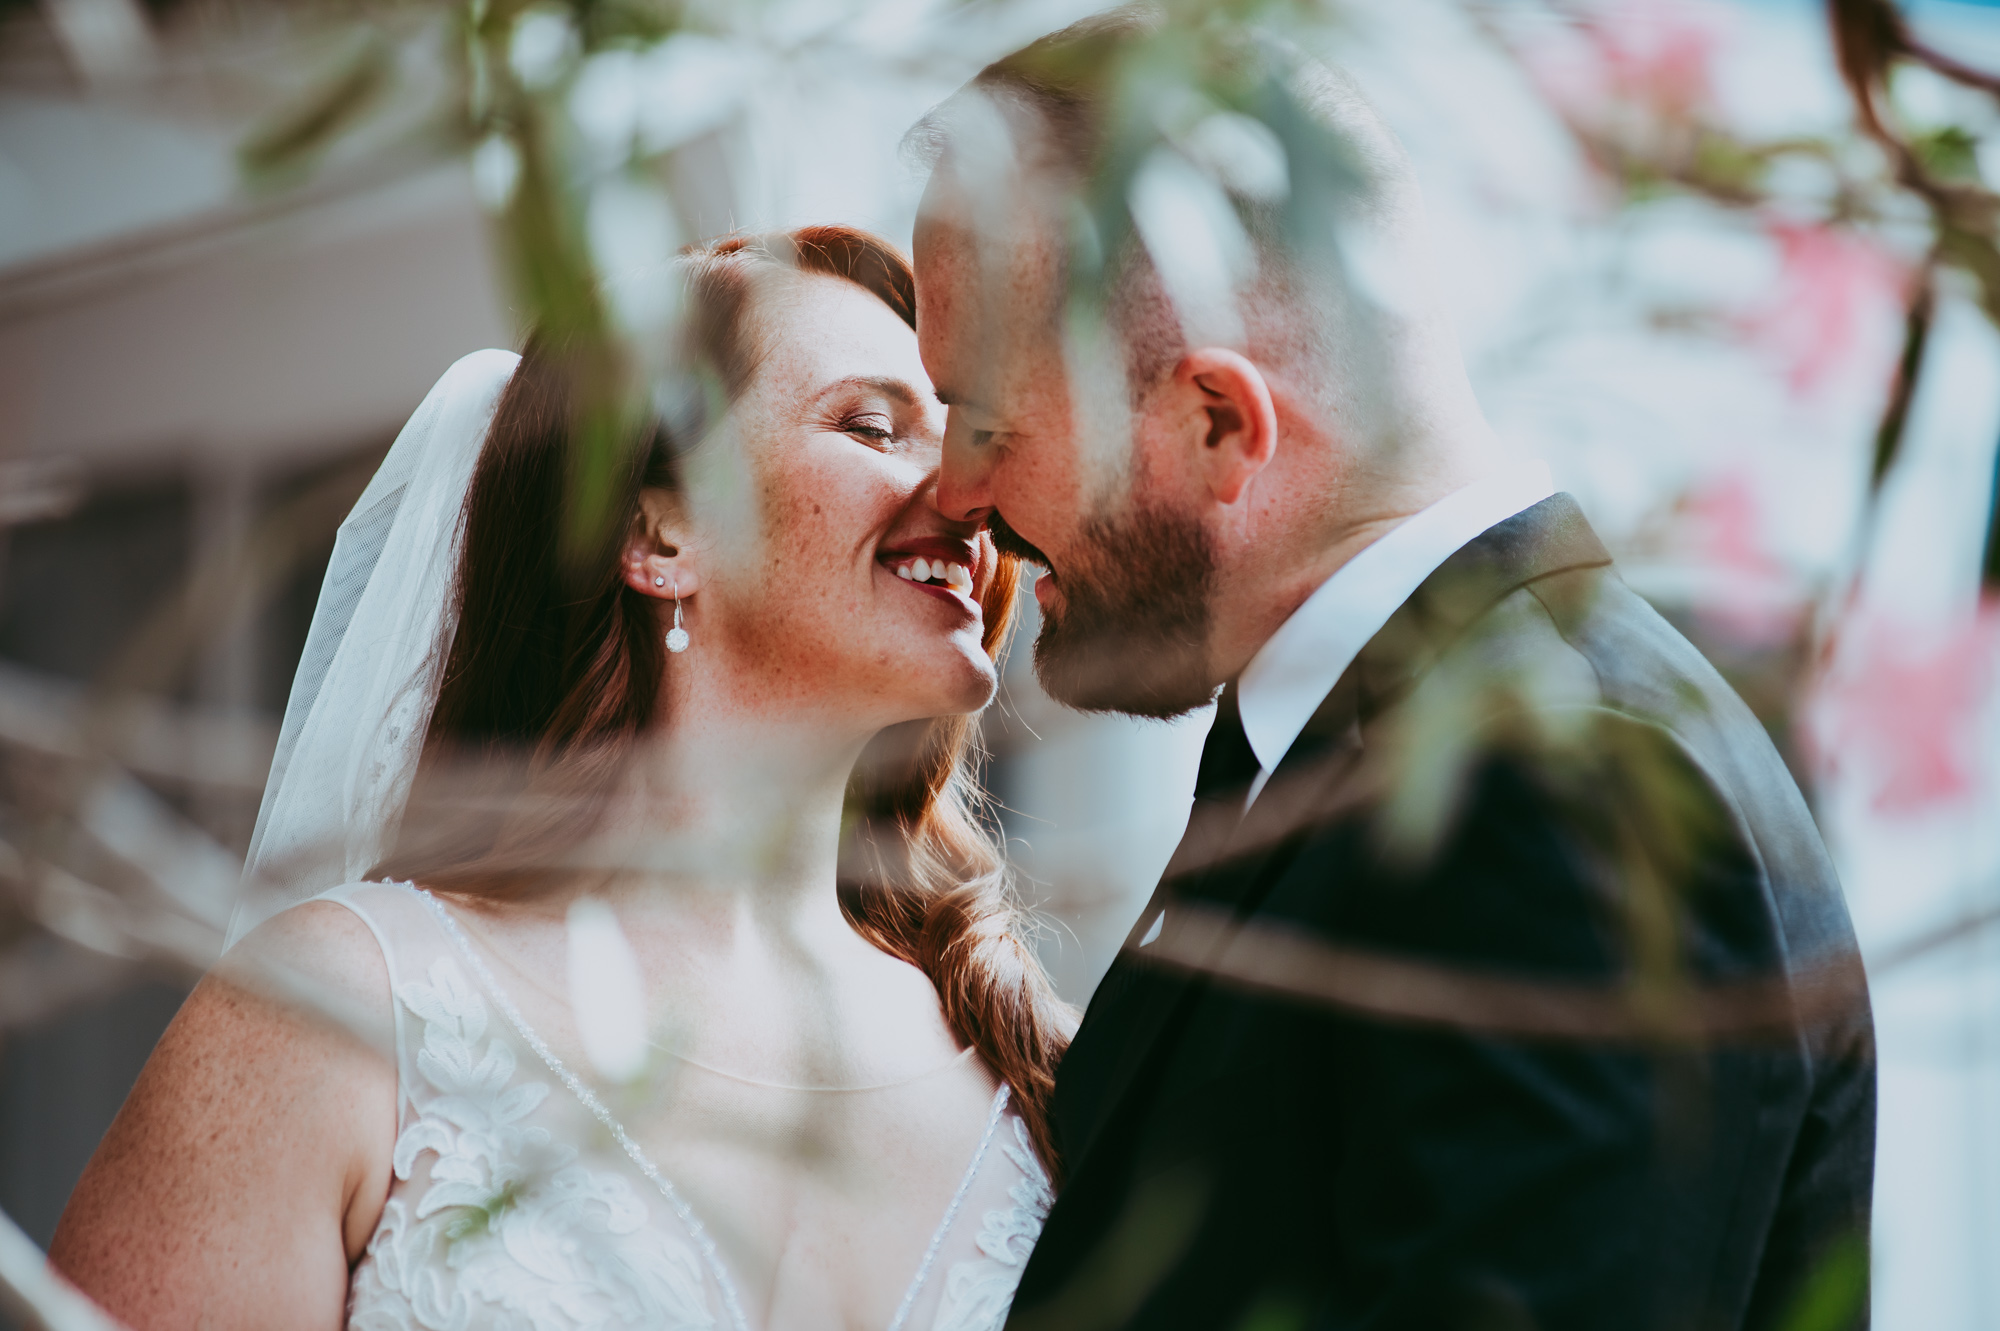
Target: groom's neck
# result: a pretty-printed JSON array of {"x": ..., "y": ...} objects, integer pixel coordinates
[{"x": 1316, "y": 517}]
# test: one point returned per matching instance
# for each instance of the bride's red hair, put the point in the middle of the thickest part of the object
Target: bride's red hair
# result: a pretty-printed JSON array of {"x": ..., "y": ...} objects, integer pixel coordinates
[{"x": 552, "y": 676}]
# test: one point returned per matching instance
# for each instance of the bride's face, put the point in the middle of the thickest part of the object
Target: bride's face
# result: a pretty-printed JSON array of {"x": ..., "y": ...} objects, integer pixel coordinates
[{"x": 812, "y": 580}]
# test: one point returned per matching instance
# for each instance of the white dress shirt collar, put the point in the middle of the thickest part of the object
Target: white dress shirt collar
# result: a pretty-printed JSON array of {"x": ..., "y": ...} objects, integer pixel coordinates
[{"x": 1298, "y": 665}]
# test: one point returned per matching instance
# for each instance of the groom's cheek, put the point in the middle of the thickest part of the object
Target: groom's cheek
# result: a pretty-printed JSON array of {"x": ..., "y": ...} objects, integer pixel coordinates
[{"x": 1045, "y": 477}]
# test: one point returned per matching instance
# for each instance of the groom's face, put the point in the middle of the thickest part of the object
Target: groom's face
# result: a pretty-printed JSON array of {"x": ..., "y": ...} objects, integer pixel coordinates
[{"x": 1064, "y": 478}]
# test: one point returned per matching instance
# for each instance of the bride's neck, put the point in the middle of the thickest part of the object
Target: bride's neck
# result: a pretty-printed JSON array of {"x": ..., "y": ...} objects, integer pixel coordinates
[{"x": 737, "y": 807}]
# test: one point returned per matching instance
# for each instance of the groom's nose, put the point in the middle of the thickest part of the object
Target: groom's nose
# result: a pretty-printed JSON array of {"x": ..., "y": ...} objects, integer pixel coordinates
[{"x": 965, "y": 477}]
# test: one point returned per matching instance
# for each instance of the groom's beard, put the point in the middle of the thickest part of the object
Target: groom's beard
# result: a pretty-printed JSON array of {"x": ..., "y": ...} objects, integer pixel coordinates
[{"x": 1130, "y": 630}]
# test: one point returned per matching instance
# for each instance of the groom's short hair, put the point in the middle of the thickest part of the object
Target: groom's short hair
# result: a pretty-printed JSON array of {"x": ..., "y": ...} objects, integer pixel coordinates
[{"x": 1055, "y": 97}]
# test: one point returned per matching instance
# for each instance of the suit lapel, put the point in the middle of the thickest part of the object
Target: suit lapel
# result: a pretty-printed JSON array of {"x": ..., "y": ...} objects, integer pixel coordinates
[
  {"x": 1230, "y": 865},
  {"x": 1137, "y": 1004},
  {"x": 1551, "y": 537}
]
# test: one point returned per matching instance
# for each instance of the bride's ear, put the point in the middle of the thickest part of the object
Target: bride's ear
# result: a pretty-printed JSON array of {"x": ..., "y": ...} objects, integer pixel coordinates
[{"x": 659, "y": 560}]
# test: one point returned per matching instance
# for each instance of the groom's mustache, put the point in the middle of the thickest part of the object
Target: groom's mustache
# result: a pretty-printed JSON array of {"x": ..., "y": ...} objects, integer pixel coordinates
[{"x": 1009, "y": 542}]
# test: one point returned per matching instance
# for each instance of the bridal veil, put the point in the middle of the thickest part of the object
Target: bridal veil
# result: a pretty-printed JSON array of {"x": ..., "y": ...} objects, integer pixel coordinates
[{"x": 361, "y": 702}]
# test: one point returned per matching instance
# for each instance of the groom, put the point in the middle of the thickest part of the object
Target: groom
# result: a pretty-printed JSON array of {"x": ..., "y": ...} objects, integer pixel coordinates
[{"x": 1501, "y": 979}]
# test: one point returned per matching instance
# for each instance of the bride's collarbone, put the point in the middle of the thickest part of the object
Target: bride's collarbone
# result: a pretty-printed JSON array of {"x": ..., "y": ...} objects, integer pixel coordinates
[{"x": 758, "y": 1020}]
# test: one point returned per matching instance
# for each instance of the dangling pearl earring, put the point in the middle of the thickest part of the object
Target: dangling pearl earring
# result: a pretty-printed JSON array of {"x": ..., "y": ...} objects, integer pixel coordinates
[{"x": 677, "y": 637}]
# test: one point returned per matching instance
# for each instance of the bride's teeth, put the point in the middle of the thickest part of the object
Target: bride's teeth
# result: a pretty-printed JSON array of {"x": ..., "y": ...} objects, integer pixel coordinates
[{"x": 956, "y": 576}]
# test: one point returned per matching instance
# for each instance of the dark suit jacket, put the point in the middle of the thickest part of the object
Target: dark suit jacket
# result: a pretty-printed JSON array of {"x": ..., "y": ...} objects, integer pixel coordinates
[{"x": 1648, "y": 1102}]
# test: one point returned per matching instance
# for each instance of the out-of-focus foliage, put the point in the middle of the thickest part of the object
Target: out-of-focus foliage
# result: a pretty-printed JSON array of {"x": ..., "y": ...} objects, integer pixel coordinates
[
  {"x": 577, "y": 120},
  {"x": 583, "y": 123},
  {"x": 1633, "y": 85},
  {"x": 1891, "y": 209}
]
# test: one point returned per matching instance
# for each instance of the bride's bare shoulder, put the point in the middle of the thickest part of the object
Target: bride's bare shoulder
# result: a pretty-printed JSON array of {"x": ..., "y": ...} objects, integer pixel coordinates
[
  {"x": 320, "y": 960},
  {"x": 321, "y": 936},
  {"x": 258, "y": 1138}
]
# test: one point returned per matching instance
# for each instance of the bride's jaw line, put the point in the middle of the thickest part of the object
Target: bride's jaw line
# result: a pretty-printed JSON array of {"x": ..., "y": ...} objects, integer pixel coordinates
[{"x": 835, "y": 445}]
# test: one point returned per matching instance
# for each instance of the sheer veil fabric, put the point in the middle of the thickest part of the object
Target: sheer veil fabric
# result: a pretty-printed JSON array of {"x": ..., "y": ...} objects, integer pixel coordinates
[{"x": 368, "y": 680}]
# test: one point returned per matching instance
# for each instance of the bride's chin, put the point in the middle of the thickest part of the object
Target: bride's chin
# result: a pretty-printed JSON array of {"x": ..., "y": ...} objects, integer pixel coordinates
[{"x": 969, "y": 692}]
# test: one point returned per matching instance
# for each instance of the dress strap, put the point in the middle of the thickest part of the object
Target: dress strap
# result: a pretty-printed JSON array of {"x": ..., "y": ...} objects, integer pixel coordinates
[
  {"x": 993, "y": 1116},
  {"x": 409, "y": 943}
]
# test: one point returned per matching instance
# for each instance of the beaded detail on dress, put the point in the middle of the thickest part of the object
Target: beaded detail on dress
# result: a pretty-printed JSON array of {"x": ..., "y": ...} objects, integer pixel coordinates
[
  {"x": 979, "y": 1290},
  {"x": 507, "y": 1211}
]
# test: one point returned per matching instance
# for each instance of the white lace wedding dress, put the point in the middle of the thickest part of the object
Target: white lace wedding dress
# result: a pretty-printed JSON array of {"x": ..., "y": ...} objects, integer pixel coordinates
[{"x": 520, "y": 1201}]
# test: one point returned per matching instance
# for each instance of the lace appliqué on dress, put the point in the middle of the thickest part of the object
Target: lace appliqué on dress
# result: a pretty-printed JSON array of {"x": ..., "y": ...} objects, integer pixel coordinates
[
  {"x": 510, "y": 1233},
  {"x": 979, "y": 1291}
]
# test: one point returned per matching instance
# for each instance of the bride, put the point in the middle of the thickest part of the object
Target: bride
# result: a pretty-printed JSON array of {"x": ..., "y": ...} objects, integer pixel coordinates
[{"x": 522, "y": 769}]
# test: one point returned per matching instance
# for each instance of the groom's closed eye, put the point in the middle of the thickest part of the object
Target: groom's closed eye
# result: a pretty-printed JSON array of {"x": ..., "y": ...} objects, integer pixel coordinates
[
  {"x": 973, "y": 435},
  {"x": 981, "y": 428}
]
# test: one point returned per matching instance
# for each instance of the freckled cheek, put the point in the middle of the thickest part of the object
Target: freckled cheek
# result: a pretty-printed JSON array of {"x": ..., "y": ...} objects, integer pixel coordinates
[{"x": 820, "y": 522}]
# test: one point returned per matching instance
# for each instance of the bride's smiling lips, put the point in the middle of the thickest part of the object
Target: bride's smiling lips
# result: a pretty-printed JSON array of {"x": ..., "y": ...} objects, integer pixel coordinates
[{"x": 938, "y": 566}]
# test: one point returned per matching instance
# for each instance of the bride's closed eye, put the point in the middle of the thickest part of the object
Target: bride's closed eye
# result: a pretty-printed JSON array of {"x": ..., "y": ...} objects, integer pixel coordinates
[{"x": 878, "y": 429}]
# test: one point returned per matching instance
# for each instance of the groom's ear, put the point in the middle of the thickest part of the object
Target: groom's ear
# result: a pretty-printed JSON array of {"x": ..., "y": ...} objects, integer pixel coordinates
[
  {"x": 658, "y": 558},
  {"x": 1232, "y": 421}
]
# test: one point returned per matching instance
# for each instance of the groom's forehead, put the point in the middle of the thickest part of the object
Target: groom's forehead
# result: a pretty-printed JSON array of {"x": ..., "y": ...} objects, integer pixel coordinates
[
  {"x": 982, "y": 354},
  {"x": 993, "y": 282}
]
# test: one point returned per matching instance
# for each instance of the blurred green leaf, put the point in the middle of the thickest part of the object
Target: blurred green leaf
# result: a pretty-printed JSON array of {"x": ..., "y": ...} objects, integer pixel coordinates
[
  {"x": 1727, "y": 166},
  {"x": 1835, "y": 1295},
  {"x": 1973, "y": 252},
  {"x": 1275, "y": 1312},
  {"x": 288, "y": 141},
  {"x": 1114, "y": 1280},
  {"x": 606, "y": 23},
  {"x": 1950, "y": 153}
]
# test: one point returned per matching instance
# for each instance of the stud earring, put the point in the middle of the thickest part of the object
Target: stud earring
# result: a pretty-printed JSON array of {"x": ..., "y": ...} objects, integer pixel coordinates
[
  {"x": 677, "y": 637},
  {"x": 659, "y": 582}
]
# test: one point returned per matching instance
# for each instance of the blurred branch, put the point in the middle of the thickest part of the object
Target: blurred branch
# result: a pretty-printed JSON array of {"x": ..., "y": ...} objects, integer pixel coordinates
[
  {"x": 1869, "y": 38},
  {"x": 37, "y": 1292},
  {"x": 109, "y": 41},
  {"x": 155, "y": 738},
  {"x": 232, "y": 583},
  {"x": 1936, "y": 939},
  {"x": 1903, "y": 390},
  {"x": 1271, "y": 959},
  {"x": 1989, "y": 569}
]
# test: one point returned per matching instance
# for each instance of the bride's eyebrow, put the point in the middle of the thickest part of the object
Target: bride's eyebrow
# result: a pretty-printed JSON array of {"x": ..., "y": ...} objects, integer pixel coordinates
[{"x": 887, "y": 385}]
